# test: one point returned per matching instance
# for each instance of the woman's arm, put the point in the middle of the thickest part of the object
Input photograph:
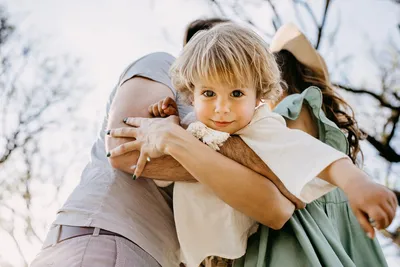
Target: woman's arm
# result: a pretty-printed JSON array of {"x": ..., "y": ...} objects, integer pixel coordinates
[
  {"x": 239, "y": 186},
  {"x": 235, "y": 184},
  {"x": 368, "y": 200}
]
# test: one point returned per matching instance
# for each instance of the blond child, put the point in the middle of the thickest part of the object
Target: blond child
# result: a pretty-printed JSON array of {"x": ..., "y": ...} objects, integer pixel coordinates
[{"x": 225, "y": 73}]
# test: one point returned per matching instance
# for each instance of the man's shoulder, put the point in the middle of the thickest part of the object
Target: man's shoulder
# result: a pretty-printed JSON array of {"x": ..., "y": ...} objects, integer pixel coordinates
[
  {"x": 157, "y": 56},
  {"x": 154, "y": 66}
]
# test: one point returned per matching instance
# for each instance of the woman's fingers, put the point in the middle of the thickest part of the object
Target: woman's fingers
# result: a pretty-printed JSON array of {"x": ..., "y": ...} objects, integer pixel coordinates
[
  {"x": 135, "y": 122},
  {"x": 124, "y": 148},
  {"x": 141, "y": 163},
  {"x": 390, "y": 213},
  {"x": 379, "y": 217},
  {"x": 393, "y": 202},
  {"x": 123, "y": 132},
  {"x": 365, "y": 224}
]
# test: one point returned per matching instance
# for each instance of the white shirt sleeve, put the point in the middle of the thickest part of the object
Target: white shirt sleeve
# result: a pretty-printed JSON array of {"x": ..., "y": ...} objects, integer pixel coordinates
[{"x": 293, "y": 155}]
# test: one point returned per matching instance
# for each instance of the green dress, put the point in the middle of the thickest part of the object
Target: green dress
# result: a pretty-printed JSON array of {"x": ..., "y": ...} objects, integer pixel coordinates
[{"x": 325, "y": 233}]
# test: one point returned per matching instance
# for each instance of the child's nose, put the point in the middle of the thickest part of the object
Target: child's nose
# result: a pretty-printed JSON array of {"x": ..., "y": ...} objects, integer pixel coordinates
[{"x": 222, "y": 106}]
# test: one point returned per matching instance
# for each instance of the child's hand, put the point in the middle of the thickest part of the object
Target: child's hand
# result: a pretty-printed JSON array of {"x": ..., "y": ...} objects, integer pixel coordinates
[
  {"x": 373, "y": 204},
  {"x": 164, "y": 108}
]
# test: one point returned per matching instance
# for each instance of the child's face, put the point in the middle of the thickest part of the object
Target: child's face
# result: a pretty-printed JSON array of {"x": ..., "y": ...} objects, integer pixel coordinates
[{"x": 223, "y": 108}]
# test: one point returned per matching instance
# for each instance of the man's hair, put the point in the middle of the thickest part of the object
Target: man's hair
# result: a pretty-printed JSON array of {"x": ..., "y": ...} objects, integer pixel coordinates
[
  {"x": 227, "y": 54},
  {"x": 199, "y": 25}
]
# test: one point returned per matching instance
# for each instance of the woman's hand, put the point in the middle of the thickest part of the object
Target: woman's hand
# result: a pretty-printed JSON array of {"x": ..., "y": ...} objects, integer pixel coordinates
[
  {"x": 373, "y": 204},
  {"x": 150, "y": 136}
]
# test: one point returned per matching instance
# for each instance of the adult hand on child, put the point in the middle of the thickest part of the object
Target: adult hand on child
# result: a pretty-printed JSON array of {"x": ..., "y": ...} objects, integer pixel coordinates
[
  {"x": 150, "y": 135},
  {"x": 164, "y": 108}
]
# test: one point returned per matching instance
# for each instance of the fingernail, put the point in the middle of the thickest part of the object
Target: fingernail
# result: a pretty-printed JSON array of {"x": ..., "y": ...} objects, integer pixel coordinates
[
  {"x": 134, "y": 177},
  {"x": 370, "y": 236},
  {"x": 108, "y": 154},
  {"x": 108, "y": 132},
  {"x": 133, "y": 167},
  {"x": 125, "y": 120}
]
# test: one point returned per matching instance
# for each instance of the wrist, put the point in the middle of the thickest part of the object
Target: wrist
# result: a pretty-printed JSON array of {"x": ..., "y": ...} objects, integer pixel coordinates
[
  {"x": 172, "y": 139},
  {"x": 338, "y": 173}
]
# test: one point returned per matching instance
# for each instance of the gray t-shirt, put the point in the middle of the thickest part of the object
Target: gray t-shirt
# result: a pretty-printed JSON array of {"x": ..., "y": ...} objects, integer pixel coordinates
[{"x": 109, "y": 199}]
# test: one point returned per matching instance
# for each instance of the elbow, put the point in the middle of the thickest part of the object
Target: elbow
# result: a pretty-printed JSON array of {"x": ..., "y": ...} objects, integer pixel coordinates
[
  {"x": 279, "y": 223},
  {"x": 280, "y": 217}
]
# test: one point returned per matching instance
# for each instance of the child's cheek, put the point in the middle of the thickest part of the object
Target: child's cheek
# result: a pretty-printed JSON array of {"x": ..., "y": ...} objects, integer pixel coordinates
[
  {"x": 201, "y": 110},
  {"x": 247, "y": 114}
]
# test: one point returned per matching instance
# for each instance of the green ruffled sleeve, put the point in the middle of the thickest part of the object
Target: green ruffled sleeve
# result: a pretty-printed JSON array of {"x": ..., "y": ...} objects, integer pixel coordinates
[{"x": 329, "y": 133}]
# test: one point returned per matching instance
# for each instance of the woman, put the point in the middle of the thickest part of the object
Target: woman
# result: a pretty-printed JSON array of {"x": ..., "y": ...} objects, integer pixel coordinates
[
  {"x": 326, "y": 232},
  {"x": 323, "y": 234}
]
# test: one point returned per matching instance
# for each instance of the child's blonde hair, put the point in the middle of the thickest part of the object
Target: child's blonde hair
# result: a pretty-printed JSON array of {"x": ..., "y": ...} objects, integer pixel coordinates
[{"x": 227, "y": 54}]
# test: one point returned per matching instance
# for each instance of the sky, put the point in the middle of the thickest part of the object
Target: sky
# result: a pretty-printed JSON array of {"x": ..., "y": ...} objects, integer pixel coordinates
[{"x": 108, "y": 35}]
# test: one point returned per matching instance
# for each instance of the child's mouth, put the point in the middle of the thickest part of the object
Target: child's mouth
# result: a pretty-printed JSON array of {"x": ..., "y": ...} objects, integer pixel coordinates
[{"x": 222, "y": 123}]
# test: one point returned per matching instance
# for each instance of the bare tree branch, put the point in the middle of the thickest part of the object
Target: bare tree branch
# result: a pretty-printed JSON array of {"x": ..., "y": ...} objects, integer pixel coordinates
[
  {"x": 386, "y": 151},
  {"x": 219, "y": 7},
  {"x": 277, "y": 17},
  {"x": 10, "y": 232},
  {"x": 394, "y": 120},
  {"x": 381, "y": 100},
  {"x": 322, "y": 26},
  {"x": 309, "y": 10}
]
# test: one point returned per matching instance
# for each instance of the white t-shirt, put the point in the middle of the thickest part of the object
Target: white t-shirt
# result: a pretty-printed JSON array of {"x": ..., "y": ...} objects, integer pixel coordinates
[{"x": 208, "y": 226}]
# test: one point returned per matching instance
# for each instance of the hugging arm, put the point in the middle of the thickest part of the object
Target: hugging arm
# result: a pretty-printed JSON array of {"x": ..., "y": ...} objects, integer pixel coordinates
[{"x": 239, "y": 186}]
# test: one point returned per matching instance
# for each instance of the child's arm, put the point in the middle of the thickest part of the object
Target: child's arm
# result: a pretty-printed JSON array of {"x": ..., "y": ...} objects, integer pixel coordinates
[{"x": 164, "y": 108}]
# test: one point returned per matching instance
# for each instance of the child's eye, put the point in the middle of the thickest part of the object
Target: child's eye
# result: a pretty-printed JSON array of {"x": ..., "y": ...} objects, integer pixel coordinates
[
  {"x": 208, "y": 93},
  {"x": 236, "y": 93}
]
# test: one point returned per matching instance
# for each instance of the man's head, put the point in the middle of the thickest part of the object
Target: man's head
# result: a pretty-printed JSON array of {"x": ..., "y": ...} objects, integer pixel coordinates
[{"x": 200, "y": 25}]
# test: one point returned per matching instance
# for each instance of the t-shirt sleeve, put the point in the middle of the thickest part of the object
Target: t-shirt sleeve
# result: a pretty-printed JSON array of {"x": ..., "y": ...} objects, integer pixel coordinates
[
  {"x": 154, "y": 66},
  {"x": 293, "y": 155}
]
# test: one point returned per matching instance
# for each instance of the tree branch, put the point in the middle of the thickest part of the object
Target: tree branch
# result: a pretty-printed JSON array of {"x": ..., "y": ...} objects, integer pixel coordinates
[
  {"x": 278, "y": 18},
  {"x": 386, "y": 151},
  {"x": 382, "y": 101},
  {"x": 218, "y": 5},
  {"x": 322, "y": 26},
  {"x": 394, "y": 119}
]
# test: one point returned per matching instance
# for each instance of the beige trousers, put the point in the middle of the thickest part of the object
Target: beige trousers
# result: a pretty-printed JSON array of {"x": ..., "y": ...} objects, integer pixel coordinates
[{"x": 94, "y": 251}]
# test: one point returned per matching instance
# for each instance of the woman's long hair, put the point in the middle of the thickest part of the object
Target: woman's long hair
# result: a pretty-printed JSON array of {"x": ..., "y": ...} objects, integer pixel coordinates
[{"x": 297, "y": 77}]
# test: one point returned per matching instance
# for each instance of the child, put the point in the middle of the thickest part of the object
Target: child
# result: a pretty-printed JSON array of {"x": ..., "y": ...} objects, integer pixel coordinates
[{"x": 225, "y": 73}]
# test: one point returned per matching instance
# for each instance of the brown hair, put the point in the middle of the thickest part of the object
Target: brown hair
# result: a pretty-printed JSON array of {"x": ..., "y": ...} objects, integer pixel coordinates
[
  {"x": 227, "y": 54},
  {"x": 297, "y": 77},
  {"x": 199, "y": 25}
]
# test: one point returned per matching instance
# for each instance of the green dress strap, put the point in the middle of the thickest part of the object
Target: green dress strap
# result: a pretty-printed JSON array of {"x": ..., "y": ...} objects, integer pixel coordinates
[{"x": 326, "y": 232}]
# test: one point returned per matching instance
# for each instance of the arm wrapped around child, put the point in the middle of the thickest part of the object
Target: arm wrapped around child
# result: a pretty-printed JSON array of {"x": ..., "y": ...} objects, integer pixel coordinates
[{"x": 212, "y": 138}]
